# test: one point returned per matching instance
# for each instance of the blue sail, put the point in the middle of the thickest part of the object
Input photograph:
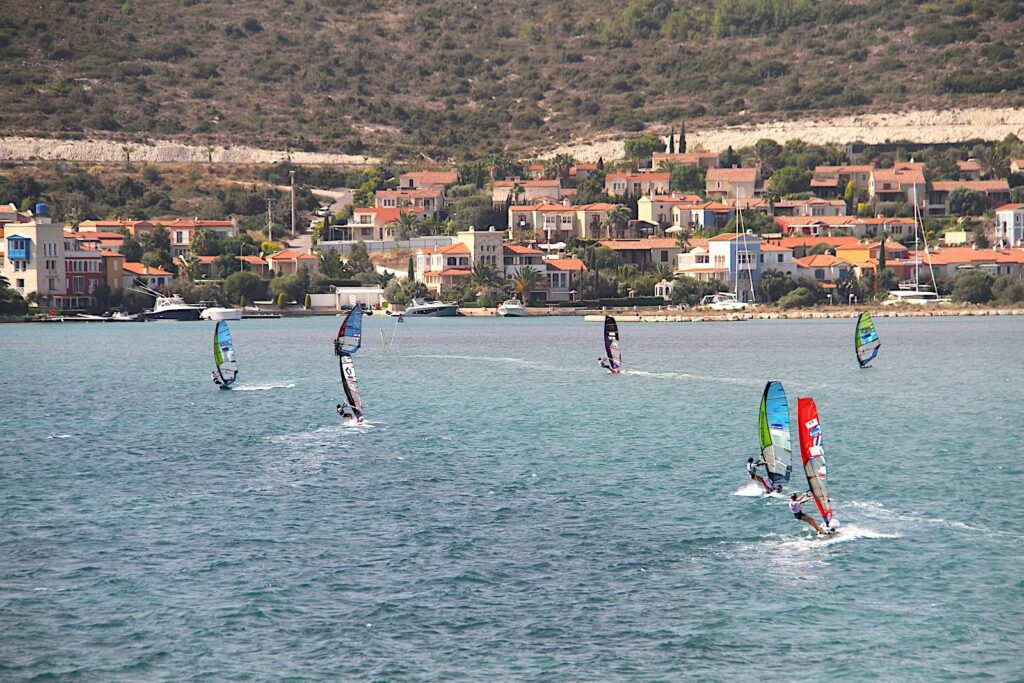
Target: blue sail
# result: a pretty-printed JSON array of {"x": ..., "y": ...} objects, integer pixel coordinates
[
  {"x": 776, "y": 441},
  {"x": 350, "y": 334}
]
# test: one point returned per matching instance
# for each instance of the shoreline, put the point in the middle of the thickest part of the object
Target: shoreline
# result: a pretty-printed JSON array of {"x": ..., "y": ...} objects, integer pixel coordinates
[{"x": 664, "y": 316}]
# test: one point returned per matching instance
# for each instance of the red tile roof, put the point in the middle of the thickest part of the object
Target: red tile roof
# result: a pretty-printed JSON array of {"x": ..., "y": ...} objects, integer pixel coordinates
[
  {"x": 733, "y": 175},
  {"x": 640, "y": 244},
  {"x": 572, "y": 264},
  {"x": 141, "y": 269},
  {"x": 1010, "y": 207},
  {"x": 1000, "y": 185},
  {"x": 516, "y": 249},
  {"x": 818, "y": 261},
  {"x": 289, "y": 255},
  {"x": 457, "y": 248}
]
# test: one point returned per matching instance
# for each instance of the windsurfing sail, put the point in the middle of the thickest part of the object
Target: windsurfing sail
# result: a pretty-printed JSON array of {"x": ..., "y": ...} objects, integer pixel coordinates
[
  {"x": 611, "y": 344},
  {"x": 813, "y": 455},
  {"x": 865, "y": 340},
  {"x": 224, "y": 353},
  {"x": 350, "y": 337},
  {"x": 348, "y": 382},
  {"x": 776, "y": 442},
  {"x": 350, "y": 334}
]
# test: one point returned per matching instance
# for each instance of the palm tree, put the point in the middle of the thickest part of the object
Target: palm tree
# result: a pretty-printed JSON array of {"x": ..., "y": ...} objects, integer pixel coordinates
[
  {"x": 406, "y": 224},
  {"x": 683, "y": 240},
  {"x": 615, "y": 218},
  {"x": 993, "y": 164},
  {"x": 516, "y": 192},
  {"x": 128, "y": 148},
  {"x": 771, "y": 195},
  {"x": 188, "y": 266},
  {"x": 209, "y": 149},
  {"x": 663, "y": 271},
  {"x": 525, "y": 280},
  {"x": 485, "y": 275}
]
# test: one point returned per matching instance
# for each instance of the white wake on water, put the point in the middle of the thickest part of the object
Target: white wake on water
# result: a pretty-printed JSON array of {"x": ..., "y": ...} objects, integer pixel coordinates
[
  {"x": 686, "y": 375},
  {"x": 845, "y": 533},
  {"x": 263, "y": 387},
  {"x": 754, "y": 490}
]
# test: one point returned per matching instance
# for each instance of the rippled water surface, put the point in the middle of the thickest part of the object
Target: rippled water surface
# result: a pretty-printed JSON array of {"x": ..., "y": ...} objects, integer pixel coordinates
[{"x": 511, "y": 512}]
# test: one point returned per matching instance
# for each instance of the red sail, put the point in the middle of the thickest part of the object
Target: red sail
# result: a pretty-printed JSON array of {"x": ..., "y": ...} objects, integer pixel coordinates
[{"x": 813, "y": 455}]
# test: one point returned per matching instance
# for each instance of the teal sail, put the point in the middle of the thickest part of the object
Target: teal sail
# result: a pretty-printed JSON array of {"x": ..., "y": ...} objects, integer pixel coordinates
[
  {"x": 776, "y": 442},
  {"x": 865, "y": 340},
  {"x": 224, "y": 354}
]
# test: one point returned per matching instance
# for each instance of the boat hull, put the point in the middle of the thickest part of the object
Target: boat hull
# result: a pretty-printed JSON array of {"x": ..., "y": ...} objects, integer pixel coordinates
[
  {"x": 217, "y": 313},
  {"x": 434, "y": 311},
  {"x": 187, "y": 314}
]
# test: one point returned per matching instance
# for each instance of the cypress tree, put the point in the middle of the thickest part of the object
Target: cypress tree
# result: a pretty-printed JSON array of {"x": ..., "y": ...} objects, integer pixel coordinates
[
  {"x": 411, "y": 273},
  {"x": 682, "y": 138},
  {"x": 671, "y": 142},
  {"x": 600, "y": 163}
]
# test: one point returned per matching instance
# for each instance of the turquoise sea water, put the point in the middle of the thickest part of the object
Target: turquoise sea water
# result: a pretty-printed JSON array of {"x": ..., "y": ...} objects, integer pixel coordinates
[{"x": 512, "y": 512}]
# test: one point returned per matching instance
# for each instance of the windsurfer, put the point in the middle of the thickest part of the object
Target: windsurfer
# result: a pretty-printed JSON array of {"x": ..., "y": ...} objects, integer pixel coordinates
[
  {"x": 752, "y": 471},
  {"x": 605, "y": 362},
  {"x": 216, "y": 379},
  {"x": 794, "y": 507},
  {"x": 342, "y": 412}
]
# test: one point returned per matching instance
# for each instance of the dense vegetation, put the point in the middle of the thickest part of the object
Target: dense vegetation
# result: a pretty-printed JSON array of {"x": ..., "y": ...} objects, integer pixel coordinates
[{"x": 462, "y": 77}]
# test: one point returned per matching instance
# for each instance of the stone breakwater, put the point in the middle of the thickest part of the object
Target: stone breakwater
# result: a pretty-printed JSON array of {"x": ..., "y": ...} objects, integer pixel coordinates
[{"x": 710, "y": 316}]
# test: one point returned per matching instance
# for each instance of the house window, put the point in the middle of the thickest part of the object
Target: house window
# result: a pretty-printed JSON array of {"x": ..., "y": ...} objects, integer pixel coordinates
[
  {"x": 78, "y": 284},
  {"x": 566, "y": 220},
  {"x": 780, "y": 258},
  {"x": 819, "y": 273},
  {"x": 664, "y": 257},
  {"x": 179, "y": 237},
  {"x": 743, "y": 259}
]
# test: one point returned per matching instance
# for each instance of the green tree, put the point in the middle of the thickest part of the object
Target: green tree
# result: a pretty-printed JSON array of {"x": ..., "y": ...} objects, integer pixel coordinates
[
  {"x": 671, "y": 142},
  {"x": 641, "y": 148},
  {"x": 160, "y": 239},
  {"x": 801, "y": 297},
  {"x": 243, "y": 285},
  {"x": 206, "y": 243},
  {"x": 410, "y": 272},
  {"x": 791, "y": 180},
  {"x": 973, "y": 286},
  {"x": 690, "y": 291},
  {"x": 776, "y": 284},
  {"x": 330, "y": 264},
  {"x": 767, "y": 153},
  {"x": 1008, "y": 289},
  {"x": 307, "y": 302},
  {"x": 188, "y": 266},
  {"x": 131, "y": 250},
  {"x": 965, "y": 202},
  {"x": 359, "y": 259},
  {"x": 682, "y": 138},
  {"x": 615, "y": 219},
  {"x": 525, "y": 280},
  {"x": 728, "y": 158}
]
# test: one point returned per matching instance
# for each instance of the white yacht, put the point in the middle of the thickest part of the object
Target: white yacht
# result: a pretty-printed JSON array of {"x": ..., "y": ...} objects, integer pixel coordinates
[
  {"x": 436, "y": 309},
  {"x": 172, "y": 308},
  {"x": 218, "y": 313},
  {"x": 915, "y": 297},
  {"x": 513, "y": 308},
  {"x": 723, "y": 301}
]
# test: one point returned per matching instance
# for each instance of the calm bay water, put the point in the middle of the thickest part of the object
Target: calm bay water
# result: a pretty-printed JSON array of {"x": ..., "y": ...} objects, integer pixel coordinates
[{"x": 511, "y": 512}]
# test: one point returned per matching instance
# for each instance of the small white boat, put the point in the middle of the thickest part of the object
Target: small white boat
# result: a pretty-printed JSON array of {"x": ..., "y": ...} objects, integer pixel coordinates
[
  {"x": 723, "y": 301},
  {"x": 437, "y": 309},
  {"x": 513, "y": 308},
  {"x": 218, "y": 313},
  {"x": 916, "y": 298}
]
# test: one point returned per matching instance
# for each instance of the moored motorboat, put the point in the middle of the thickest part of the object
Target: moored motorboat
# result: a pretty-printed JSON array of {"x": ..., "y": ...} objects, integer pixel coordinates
[
  {"x": 220, "y": 313},
  {"x": 172, "y": 308},
  {"x": 437, "y": 309},
  {"x": 513, "y": 308}
]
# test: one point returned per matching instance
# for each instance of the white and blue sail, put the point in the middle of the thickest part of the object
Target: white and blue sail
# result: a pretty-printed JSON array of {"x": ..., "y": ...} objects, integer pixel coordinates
[
  {"x": 776, "y": 439},
  {"x": 224, "y": 354}
]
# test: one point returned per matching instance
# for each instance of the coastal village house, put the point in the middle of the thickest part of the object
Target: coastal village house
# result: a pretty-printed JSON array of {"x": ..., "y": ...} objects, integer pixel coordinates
[
  {"x": 734, "y": 259},
  {"x": 730, "y": 183},
  {"x": 289, "y": 261},
  {"x": 154, "y": 277},
  {"x": 1010, "y": 225},
  {"x": 634, "y": 184},
  {"x": 434, "y": 181},
  {"x": 34, "y": 261},
  {"x": 529, "y": 192},
  {"x": 559, "y": 222},
  {"x": 425, "y": 202},
  {"x": 702, "y": 159},
  {"x": 640, "y": 252}
]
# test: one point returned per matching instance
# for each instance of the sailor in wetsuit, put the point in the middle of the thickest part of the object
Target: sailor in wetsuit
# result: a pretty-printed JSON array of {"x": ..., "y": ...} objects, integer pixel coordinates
[
  {"x": 752, "y": 471},
  {"x": 794, "y": 507},
  {"x": 342, "y": 412},
  {"x": 216, "y": 379},
  {"x": 605, "y": 363}
]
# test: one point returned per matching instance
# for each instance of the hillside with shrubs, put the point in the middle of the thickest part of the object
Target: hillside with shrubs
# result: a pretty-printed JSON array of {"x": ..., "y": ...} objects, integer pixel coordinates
[{"x": 461, "y": 78}]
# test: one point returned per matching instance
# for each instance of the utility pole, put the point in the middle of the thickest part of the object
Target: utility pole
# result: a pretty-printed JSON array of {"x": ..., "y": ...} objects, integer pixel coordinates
[
  {"x": 292, "y": 174},
  {"x": 270, "y": 219}
]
